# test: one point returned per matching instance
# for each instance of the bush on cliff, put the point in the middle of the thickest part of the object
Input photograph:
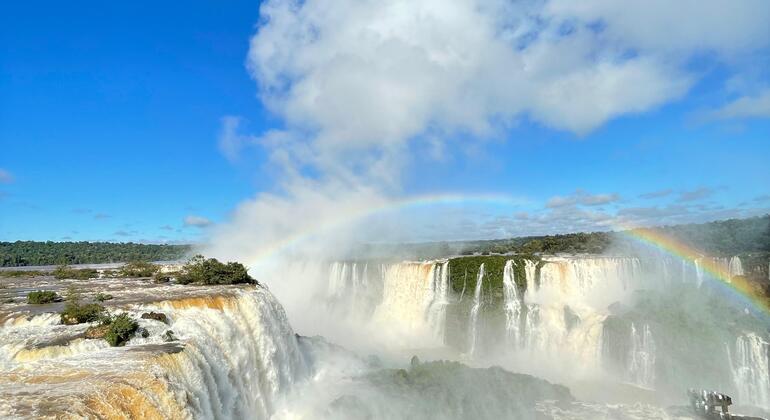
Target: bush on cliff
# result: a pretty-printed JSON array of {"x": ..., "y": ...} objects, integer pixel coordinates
[
  {"x": 42, "y": 296},
  {"x": 200, "y": 270},
  {"x": 121, "y": 329}
]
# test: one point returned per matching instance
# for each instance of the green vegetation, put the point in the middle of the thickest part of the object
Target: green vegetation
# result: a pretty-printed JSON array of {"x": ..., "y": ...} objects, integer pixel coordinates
[
  {"x": 200, "y": 270},
  {"x": 138, "y": 269},
  {"x": 101, "y": 297},
  {"x": 21, "y": 273},
  {"x": 24, "y": 253},
  {"x": 41, "y": 297},
  {"x": 163, "y": 277},
  {"x": 122, "y": 328},
  {"x": 463, "y": 274},
  {"x": 446, "y": 390},
  {"x": 67, "y": 272},
  {"x": 75, "y": 313}
]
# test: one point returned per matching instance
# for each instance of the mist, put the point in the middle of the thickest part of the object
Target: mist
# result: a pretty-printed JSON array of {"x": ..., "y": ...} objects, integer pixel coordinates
[{"x": 364, "y": 92}]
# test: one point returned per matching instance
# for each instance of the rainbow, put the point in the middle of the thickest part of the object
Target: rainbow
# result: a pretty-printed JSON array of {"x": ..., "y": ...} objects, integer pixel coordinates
[
  {"x": 738, "y": 286},
  {"x": 347, "y": 217}
]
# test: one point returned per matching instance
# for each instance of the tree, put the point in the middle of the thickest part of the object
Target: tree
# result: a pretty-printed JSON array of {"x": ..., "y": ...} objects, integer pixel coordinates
[{"x": 200, "y": 270}]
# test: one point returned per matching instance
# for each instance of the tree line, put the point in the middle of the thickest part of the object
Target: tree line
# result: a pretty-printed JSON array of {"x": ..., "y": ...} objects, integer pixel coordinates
[{"x": 26, "y": 253}]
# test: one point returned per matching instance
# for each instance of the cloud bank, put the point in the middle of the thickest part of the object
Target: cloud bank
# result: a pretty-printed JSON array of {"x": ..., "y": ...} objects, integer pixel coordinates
[{"x": 358, "y": 85}]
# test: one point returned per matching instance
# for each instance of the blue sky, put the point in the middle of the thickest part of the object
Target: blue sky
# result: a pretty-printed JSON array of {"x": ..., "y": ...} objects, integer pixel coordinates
[{"x": 111, "y": 125}]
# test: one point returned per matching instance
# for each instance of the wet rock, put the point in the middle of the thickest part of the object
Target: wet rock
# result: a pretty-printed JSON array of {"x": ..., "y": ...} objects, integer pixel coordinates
[
  {"x": 157, "y": 316},
  {"x": 169, "y": 336},
  {"x": 142, "y": 332},
  {"x": 97, "y": 331}
]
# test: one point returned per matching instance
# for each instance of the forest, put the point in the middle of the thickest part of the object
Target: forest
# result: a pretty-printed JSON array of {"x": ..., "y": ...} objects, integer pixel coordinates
[
  {"x": 26, "y": 253},
  {"x": 720, "y": 238}
]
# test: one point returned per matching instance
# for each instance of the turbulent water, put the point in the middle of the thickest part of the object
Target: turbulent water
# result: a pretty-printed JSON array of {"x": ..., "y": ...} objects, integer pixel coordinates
[
  {"x": 629, "y": 334},
  {"x": 235, "y": 355},
  {"x": 654, "y": 324}
]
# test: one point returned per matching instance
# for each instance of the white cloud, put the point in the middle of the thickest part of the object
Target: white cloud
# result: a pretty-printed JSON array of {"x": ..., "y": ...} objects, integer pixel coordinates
[
  {"x": 749, "y": 106},
  {"x": 370, "y": 76},
  {"x": 583, "y": 198},
  {"x": 231, "y": 142},
  {"x": 5, "y": 177},
  {"x": 197, "y": 221},
  {"x": 726, "y": 28},
  {"x": 357, "y": 83}
]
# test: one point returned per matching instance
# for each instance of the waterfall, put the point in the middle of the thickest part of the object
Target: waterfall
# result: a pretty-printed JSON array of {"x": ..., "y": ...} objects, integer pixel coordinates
[
  {"x": 353, "y": 289},
  {"x": 641, "y": 367},
  {"x": 414, "y": 300},
  {"x": 735, "y": 267},
  {"x": 235, "y": 357},
  {"x": 698, "y": 273},
  {"x": 477, "y": 295},
  {"x": 750, "y": 362},
  {"x": 512, "y": 304},
  {"x": 438, "y": 299}
]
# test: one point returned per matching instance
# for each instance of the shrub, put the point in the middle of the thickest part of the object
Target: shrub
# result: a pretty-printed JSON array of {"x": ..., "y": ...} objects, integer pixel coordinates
[
  {"x": 163, "y": 277},
  {"x": 75, "y": 313},
  {"x": 138, "y": 269},
  {"x": 101, "y": 297},
  {"x": 67, "y": 272},
  {"x": 21, "y": 273},
  {"x": 122, "y": 328},
  {"x": 200, "y": 270},
  {"x": 42, "y": 296}
]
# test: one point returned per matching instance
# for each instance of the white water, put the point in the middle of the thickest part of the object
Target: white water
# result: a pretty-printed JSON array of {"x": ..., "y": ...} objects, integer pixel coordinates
[
  {"x": 437, "y": 300},
  {"x": 512, "y": 306},
  {"x": 735, "y": 267},
  {"x": 641, "y": 369},
  {"x": 750, "y": 361},
  {"x": 240, "y": 357},
  {"x": 474, "y": 319},
  {"x": 414, "y": 300}
]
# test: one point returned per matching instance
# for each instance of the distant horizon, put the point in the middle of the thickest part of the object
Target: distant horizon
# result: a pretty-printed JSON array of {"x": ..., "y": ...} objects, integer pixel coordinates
[{"x": 192, "y": 244}]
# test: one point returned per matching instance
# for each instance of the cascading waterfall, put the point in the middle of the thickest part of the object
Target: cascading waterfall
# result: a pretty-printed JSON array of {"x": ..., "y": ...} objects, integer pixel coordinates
[
  {"x": 438, "y": 299},
  {"x": 474, "y": 319},
  {"x": 735, "y": 267},
  {"x": 559, "y": 316},
  {"x": 566, "y": 311},
  {"x": 354, "y": 289},
  {"x": 242, "y": 350},
  {"x": 698, "y": 273},
  {"x": 512, "y": 304},
  {"x": 236, "y": 356},
  {"x": 641, "y": 368},
  {"x": 750, "y": 362},
  {"x": 414, "y": 299}
]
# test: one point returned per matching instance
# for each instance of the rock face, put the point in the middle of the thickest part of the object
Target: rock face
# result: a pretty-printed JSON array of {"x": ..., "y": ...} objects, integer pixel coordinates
[
  {"x": 97, "y": 331},
  {"x": 157, "y": 316}
]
